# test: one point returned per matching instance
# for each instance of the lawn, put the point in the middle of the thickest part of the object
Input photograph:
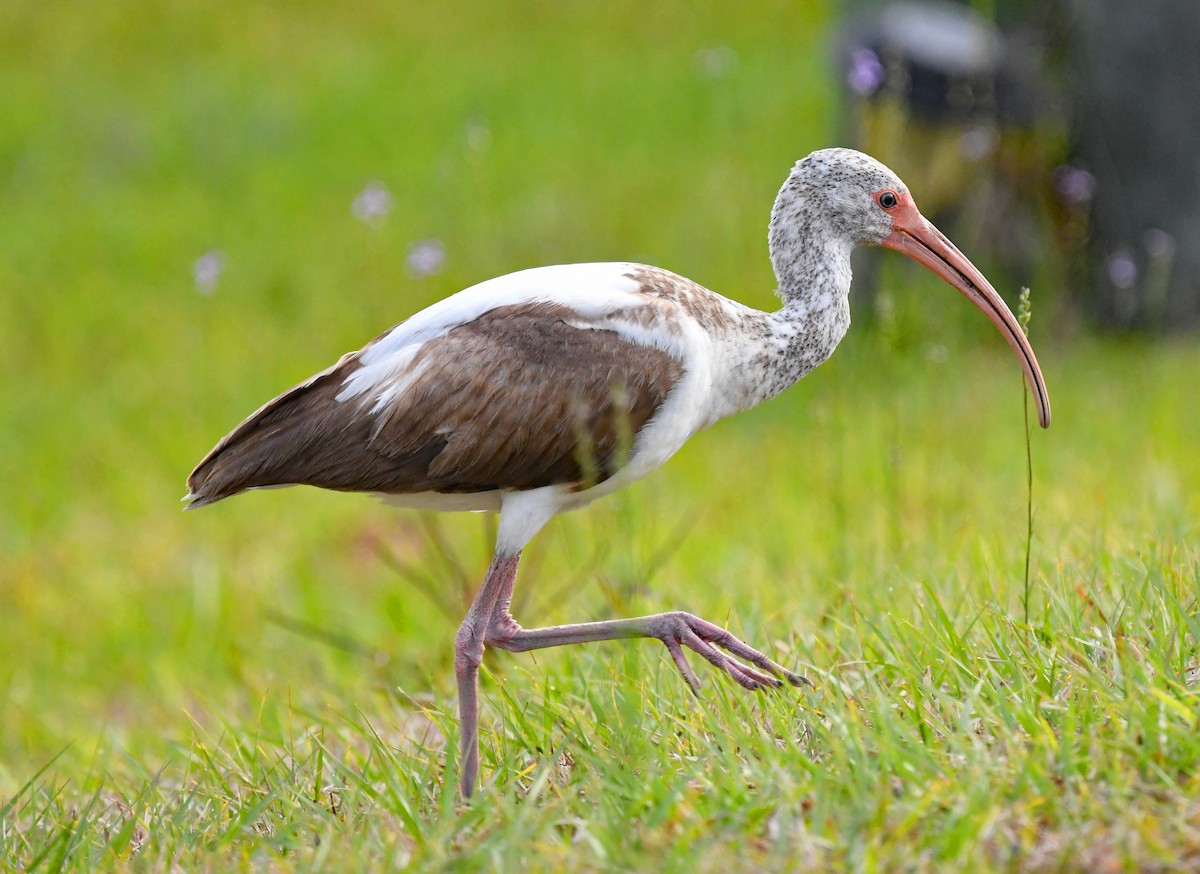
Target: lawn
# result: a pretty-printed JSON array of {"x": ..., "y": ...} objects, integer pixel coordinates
[{"x": 267, "y": 684}]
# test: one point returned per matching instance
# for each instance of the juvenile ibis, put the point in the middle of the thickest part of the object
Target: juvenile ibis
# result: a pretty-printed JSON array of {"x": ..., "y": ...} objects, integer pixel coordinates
[{"x": 543, "y": 390}]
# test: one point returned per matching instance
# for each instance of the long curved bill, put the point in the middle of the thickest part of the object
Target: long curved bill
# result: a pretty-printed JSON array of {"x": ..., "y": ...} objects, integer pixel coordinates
[{"x": 917, "y": 238}]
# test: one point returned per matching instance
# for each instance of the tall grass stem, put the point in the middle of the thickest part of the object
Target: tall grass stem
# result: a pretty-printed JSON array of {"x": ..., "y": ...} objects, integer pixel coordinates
[{"x": 1024, "y": 313}]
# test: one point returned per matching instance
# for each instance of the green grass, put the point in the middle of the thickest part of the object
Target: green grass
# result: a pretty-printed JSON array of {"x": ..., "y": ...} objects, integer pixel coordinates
[{"x": 267, "y": 684}]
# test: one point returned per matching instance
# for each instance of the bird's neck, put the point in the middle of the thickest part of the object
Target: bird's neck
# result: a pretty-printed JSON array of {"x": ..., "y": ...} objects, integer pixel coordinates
[
  {"x": 804, "y": 333},
  {"x": 810, "y": 252},
  {"x": 812, "y": 267},
  {"x": 777, "y": 349},
  {"x": 814, "y": 284}
]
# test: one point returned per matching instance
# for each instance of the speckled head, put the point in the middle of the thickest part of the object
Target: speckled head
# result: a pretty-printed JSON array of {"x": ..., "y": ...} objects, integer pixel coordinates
[
  {"x": 832, "y": 193},
  {"x": 836, "y": 199}
]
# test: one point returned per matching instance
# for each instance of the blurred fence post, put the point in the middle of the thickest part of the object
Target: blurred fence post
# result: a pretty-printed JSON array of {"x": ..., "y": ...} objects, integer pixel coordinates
[
  {"x": 1137, "y": 130},
  {"x": 1062, "y": 138}
]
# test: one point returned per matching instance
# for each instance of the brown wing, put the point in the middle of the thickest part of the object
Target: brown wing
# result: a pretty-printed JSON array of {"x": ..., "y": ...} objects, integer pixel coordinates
[{"x": 516, "y": 399}]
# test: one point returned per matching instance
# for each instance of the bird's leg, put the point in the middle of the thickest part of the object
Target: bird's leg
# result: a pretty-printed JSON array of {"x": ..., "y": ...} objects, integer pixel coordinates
[
  {"x": 468, "y": 655},
  {"x": 490, "y": 622},
  {"x": 676, "y": 630}
]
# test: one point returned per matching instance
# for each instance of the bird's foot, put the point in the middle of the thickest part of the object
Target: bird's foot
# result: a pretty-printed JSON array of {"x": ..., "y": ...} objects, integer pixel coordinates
[{"x": 678, "y": 629}]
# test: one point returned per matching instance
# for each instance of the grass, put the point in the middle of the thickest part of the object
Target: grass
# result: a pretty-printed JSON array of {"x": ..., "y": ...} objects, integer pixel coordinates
[{"x": 268, "y": 684}]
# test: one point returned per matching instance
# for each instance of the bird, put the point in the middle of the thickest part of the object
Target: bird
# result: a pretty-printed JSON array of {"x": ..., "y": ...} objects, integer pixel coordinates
[{"x": 540, "y": 391}]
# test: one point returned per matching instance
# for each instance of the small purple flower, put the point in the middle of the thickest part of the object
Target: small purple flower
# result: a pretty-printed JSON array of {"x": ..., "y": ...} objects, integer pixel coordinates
[
  {"x": 372, "y": 204},
  {"x": 716, "y": 62},
  {"x": 936, "y": 352},
  {"x": 1075, "y": 185},
  {"x": 866, "y": 73},
  {"x": 426, "y": 257},
  {"x": 479, "y": 134},
  {"x": 978, "y": 141},
  {"x": 1122, "y": 270},
  {"x": 1160, "y": 245},
  {"x": 206, "y": 271}
]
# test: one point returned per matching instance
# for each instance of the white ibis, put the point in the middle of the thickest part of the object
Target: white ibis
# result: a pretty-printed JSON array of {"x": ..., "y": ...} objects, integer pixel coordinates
[{"x": 543, "y": 390}]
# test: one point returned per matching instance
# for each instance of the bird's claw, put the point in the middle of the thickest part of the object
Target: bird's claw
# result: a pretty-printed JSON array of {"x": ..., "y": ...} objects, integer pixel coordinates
[{"x": 678, "y": 630}]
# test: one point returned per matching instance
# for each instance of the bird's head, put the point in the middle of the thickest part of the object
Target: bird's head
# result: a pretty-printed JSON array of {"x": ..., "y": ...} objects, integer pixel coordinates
[
  {"x": 833, "y": 193},
  {"x": 836, "y": 199}
]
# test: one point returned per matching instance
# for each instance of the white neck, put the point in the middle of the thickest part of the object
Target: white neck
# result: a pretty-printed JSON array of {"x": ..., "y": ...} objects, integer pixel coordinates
[{"x": 773, "y": 351}]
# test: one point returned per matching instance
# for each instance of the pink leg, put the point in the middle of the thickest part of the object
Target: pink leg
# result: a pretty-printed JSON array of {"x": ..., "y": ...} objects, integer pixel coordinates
[
  {"x": 468, "y": 655},
  {"x": 490, "y": 622},
  {"x": 676, "y": 630}
]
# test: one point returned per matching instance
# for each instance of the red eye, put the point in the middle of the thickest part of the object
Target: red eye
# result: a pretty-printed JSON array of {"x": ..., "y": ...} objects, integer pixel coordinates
[{"x": 888, "y": 199}]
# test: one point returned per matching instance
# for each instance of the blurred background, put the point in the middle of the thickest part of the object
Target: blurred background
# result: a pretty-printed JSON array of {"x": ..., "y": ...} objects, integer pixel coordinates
[
  {"x": 203, "y": 202},
  {"x": 1056, "y": 137}
]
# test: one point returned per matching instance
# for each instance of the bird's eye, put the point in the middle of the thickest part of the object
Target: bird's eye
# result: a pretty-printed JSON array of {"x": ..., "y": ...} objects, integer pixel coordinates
[{"x": 888, "y": 199}]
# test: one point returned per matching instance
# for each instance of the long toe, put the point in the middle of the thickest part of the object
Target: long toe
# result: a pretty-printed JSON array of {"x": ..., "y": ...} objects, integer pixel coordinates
[
  {"x": 727, "y": 641},
  {"x": 747, "y": 676},
  {"x": 708, "y": 640},
  {"x": 689, "y": 675},
  {"x": 798, "y": 680}
]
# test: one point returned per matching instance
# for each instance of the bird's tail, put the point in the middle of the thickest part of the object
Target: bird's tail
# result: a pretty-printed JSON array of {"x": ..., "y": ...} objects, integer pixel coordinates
[
  {"x": 279, "y": 444},
  {"x": 194, "y": 500}
]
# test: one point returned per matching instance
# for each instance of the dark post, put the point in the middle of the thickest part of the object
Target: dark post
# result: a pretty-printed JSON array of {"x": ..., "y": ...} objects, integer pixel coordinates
[{"x": 1137, "y": 131}]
